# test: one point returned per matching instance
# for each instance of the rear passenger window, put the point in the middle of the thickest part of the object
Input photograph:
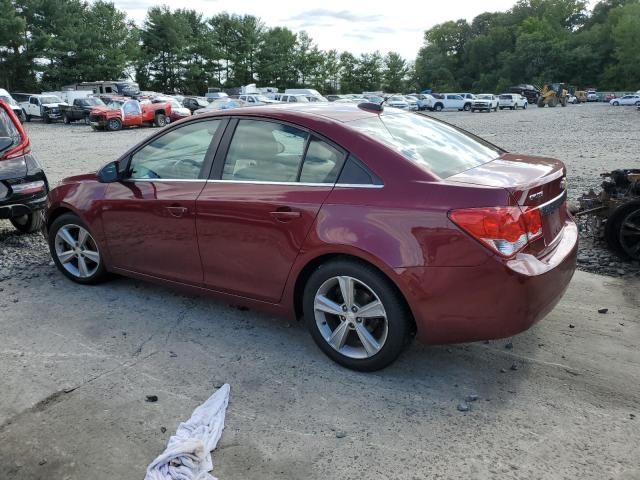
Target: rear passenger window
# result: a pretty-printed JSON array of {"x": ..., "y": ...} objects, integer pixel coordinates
[
  {"x": 322, "y": 163},
  {"x": 264, "y": 151}
]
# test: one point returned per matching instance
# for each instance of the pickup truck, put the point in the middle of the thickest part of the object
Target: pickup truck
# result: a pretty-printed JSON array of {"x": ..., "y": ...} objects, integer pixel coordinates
[
  {"x": 123, "y": 112},
  {"x": 46, "y": 107},
  {"x": 451, "y": 101},
  {"x": 80, "y": 109}
]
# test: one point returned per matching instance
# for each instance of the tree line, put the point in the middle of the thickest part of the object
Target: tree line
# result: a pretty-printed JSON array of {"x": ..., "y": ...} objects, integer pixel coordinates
[{"x": 45, "y": 44}]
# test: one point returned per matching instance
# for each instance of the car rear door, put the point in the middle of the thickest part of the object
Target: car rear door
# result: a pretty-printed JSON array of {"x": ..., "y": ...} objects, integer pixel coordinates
[
  {"x": 268, "y": 184},
  {"x": 149, "y": 218}
]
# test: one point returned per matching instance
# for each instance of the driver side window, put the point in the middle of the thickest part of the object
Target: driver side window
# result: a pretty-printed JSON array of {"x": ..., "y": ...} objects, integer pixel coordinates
[{"x": 176, "y": 155}]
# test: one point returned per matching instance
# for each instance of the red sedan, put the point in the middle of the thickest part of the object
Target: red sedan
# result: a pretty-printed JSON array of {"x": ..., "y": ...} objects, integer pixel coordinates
[{"x": 373, "y": 225}]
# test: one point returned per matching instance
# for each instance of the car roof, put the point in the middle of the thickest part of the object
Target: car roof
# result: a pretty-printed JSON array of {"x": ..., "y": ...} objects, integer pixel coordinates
[{"x": 340, "y": 113}]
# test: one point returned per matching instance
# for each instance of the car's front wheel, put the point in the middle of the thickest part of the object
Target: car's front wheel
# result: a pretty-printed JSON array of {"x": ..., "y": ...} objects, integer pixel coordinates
[
  {"x": 75, "y": 251},
  {"x": 114, "y": 124},
  {"x": 30, "y": 223},
  {"x": 355, "y": 315}
]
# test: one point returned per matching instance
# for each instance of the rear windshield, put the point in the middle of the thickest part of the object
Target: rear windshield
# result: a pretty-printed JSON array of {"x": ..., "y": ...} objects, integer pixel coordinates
[{"x": 438, "y": 147}]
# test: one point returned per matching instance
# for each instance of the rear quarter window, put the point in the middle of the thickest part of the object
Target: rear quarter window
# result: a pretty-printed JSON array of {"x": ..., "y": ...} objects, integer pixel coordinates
[{"x": 435, "y": 146}]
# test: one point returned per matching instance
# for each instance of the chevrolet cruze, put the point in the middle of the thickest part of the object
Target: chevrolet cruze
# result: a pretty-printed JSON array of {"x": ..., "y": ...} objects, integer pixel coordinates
[{"x": 374, "y": 225}]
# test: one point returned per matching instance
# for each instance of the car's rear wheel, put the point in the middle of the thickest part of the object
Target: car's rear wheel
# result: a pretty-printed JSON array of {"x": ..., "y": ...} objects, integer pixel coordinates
[
  {"x": 355, "y": 315},
  {"x": 27, "y": 118},
  {"x": 114, "y": 124},
  {"x": 438, "y": 107},
  {"x": 67, "y": 120},
  {"x": 160, "y": 120},
  {"x": 75, "y": 251},
  {"x": 30, "y": 223},
  {"x": 466, "y": 107},
  {"x": 87, "y": 120}
]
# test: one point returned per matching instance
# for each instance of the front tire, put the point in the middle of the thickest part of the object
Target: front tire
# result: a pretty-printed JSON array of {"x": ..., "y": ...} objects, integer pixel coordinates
[
  {"x": 466, "y": 107},
  {"x": 74, "y": 250},
  {"x": 114, "y": 124},
  {"x": 30, "y": 223},
  {"x": 355, "y": 315},
  {"x": 67, "y": 120}
]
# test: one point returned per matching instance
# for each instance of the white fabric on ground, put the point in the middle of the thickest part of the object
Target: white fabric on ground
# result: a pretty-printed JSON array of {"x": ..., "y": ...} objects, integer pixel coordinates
[{"x": 188, "y": 454}]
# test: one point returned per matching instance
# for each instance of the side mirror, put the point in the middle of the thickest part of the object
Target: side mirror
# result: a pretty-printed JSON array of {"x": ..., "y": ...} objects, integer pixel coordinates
[
  {"x": 109, "y": 173},
  {"x": 6, "y": 143}
]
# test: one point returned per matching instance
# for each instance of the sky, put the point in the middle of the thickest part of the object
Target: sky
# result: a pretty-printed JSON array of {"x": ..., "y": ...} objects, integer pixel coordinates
[{"x": 357, "y": 26}]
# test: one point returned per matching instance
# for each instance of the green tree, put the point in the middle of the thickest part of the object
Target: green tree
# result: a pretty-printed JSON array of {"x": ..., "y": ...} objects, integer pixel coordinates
[
  {"x": 273, "y": 60},
  {"x": 164, "y": 37},
  {"x": 395, "y": 71}
]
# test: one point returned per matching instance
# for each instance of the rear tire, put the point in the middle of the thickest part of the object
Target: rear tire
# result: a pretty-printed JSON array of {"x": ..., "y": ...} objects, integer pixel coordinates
[
  {"x": 27, "y": 118},
  {"x": 467, "y": 107},
  {"x": 438, "y": 107},
  {"x": 30, "y": 223},
  {"x": 67, "y": 120},
  {"x": 160, "y": 120},
  {"x": 385, "y": 335}
]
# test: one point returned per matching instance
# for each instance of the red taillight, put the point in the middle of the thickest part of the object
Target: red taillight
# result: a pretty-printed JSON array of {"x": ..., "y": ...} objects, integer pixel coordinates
[
  {"x": 23, "y": 146},
  {"x": 506, "y": 230}
]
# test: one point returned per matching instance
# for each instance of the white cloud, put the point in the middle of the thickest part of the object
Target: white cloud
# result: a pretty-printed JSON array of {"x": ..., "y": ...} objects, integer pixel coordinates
[{"x": 351, "y": 25}]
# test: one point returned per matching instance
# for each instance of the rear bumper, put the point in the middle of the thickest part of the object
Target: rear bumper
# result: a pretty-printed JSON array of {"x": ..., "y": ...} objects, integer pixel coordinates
[{"x": 494, "y": 300}]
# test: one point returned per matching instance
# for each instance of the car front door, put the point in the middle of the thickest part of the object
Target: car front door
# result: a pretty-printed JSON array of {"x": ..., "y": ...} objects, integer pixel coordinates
[
  {"x": 149, "y": 218},
  {"x": 255, "y": 213},
  {"x": 34, "y": 107},
  {"x": 132, "y": 113}
]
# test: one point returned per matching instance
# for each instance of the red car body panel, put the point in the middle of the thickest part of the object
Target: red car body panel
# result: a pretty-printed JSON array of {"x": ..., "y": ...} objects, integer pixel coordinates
[
  {"x": 250, "y": 235},
  {"x": 250, "y": 243},
  {"x": 150, "y": 227}
]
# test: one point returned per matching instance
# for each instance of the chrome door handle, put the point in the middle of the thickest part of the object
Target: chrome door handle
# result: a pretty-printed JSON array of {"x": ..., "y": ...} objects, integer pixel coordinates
[
  {"x": 285, "y": 214},
  {"x": 177, "y": 212}
]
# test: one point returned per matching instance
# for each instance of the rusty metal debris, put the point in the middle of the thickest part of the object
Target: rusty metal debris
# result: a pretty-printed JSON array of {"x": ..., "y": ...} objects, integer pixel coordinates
[{"x": 613, "y": 214}]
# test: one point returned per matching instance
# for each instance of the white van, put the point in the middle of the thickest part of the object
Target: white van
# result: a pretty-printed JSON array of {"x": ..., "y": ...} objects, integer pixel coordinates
[{"x": 311, "y": 94}]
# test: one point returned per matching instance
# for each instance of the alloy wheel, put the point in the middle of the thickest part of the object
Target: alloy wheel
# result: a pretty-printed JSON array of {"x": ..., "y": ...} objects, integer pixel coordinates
[
  {"x": 77, "y": 251},
  {"x": 351, "y": 317}
]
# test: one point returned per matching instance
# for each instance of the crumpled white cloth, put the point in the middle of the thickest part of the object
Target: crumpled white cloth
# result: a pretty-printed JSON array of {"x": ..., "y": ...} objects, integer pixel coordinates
[{"x": 188, "y": 453}]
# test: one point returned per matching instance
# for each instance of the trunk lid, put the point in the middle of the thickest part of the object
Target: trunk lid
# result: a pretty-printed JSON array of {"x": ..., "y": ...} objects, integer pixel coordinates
[{"x": 534, "y": 182}]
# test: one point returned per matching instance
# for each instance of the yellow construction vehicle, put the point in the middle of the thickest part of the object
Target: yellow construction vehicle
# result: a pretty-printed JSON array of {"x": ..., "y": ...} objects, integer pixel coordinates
[{"x": 553, "y": 95}]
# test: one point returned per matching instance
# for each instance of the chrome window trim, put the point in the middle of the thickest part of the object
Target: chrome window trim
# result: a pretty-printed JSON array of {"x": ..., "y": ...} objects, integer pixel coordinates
[{"x": 255, "y": 182}]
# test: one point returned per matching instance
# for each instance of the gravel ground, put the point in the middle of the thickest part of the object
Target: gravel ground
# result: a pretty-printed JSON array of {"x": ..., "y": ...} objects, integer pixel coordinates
[
  {"x": 590, "y": 139},
  {"x": 560, "y": 401}
]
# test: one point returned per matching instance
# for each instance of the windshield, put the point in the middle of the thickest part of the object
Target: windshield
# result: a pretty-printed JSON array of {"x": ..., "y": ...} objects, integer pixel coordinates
[
  {"x": 92, "y": 101},
  {"x": 436, "y": 146},
  {"x": 397, "y": 99},
  {"x": 49, "y": 99},
  {"x": 484, "y": 97},
  {"x": 115, "y": 104},
  {"x": 262, "y": 98}
]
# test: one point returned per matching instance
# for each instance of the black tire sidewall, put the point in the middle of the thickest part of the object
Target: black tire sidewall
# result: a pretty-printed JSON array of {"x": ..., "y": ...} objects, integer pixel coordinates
[
  {"x": 397, "y": 315},
  {"x": 34, "y": 222},
  {"x": 613, "y": 225},
  {"x": 62, "y": 220}
]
